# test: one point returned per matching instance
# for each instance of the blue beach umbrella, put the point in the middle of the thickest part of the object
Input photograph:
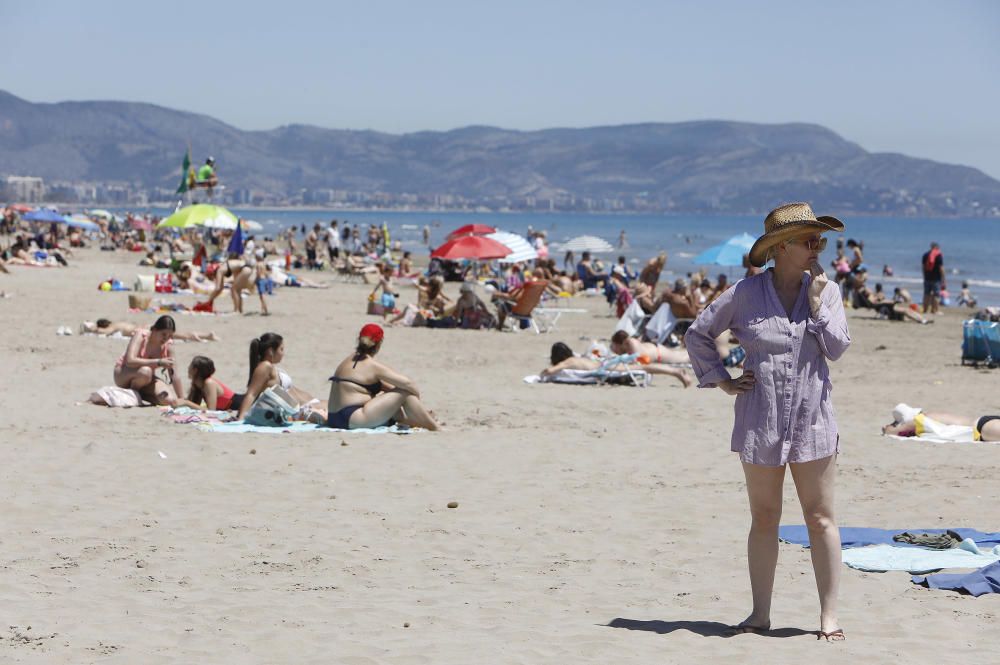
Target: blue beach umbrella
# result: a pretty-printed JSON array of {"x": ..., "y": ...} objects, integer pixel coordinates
[
  {"x": 81, "y": 222},
  {"x": 236, "y": 242},
  {"x": 44, "y": 215},
  {"x": 729, "y": 253}
]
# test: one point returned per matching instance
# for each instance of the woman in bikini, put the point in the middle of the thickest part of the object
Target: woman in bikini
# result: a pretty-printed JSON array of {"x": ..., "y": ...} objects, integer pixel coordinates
[
  {"x": 243, "y": 277},
  {"x": 266, "y": 352},
  {"x": 912, "y": 421},
  {"x": 623, "y": 344},
  {"x": 147, "y": 351},
  {"x": 207, "y": 392},
  {"x": 365, "y": 393},
  {"x": 562, "y": 357},
  {"x": 107, "y": 327}
]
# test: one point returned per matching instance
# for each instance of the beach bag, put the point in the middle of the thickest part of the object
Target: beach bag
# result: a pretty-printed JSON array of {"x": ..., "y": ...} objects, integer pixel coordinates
[
  {"x": 981, "y": 342},
  {"x": 273, "y": 408},
  {"x": 163, "y": 283},
  {"x": 144, "y": 283}
]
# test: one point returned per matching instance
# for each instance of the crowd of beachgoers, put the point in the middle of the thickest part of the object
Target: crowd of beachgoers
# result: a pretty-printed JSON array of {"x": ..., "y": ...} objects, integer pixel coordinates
[{"x": 492, "y": 295}]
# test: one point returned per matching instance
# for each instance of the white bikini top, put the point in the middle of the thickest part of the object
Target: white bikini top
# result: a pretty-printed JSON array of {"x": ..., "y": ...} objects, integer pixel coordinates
[{"x": 284, "y": 380}]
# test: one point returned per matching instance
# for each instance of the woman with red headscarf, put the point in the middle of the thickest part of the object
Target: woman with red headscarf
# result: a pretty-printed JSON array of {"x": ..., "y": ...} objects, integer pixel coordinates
[{"x": 366, "y": 393}]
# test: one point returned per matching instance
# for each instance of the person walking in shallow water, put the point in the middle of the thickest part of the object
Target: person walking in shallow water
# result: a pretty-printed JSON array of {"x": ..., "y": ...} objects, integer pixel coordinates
[{"x": 790, "y": 321}]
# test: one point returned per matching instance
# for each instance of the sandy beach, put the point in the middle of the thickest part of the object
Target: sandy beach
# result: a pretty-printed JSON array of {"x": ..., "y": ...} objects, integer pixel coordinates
[{"x": 594, "y": 524}]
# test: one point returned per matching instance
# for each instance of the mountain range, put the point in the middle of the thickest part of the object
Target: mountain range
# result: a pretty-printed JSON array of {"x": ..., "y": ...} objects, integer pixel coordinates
[{"x": 702, "y": 166}]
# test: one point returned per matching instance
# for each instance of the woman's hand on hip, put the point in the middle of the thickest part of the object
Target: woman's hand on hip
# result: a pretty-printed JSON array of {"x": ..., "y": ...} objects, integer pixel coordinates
[{"x": 739, "y": 385}]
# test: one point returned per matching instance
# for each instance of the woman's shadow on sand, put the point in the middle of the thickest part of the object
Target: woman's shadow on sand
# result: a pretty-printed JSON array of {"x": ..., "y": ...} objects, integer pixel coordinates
[{"x": 703, "y": 628}]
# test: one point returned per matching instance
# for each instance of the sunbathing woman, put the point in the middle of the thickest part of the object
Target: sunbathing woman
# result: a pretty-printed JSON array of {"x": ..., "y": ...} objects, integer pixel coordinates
[
  {"x": 732, "y": 355},
  {"x": 894, "y": 311},
  {"x": 910, "y": 421},
  {"x": 127, "y": 329},
  {"x": 207, "y": 392},
  {"x": 189, "y": 280},
  {"x": 470, "y": 311},
  {"x": 148, "y": 351},
  {"x": 623, "y": 344},
  {"x": 266, "y": 352},
  {"x": 562, "y": 357},
  {"x": 431, "y": 304},
  {"x": 365, "y": 393}
]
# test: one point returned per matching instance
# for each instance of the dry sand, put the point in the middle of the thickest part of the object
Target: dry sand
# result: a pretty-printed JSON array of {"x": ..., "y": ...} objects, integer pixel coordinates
[{"x": 598, "y": 525}]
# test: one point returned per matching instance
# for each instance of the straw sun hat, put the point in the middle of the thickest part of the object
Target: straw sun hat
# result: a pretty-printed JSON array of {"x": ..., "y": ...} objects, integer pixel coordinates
[{"x": 788, "y": 221}]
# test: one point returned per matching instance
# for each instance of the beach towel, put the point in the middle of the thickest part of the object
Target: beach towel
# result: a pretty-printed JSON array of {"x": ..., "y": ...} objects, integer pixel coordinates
[
  {"x": 224, "y": 422},
  {"x": 239, "y": 427},
  {"x": 592, "y": 376},
  {"x": 882, "y": 558},
  {"x": 978, "y": 583},
  {"x": 115, "y": 396},
  {"x": 853, "y": 536}
]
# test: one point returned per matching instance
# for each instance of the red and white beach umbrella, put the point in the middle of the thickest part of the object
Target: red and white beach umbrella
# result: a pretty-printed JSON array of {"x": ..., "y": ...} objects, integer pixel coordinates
[
  {"x": 478, "y": 248},
  {"x": 471, "y": 230}
]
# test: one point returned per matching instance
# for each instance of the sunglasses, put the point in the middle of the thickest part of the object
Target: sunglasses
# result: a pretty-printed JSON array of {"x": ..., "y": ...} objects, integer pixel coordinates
[{"x": 812, "y": 244}]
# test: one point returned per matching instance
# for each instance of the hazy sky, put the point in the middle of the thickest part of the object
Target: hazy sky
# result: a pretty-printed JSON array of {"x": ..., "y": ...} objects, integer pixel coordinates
[{"x": 921, "y": 78}]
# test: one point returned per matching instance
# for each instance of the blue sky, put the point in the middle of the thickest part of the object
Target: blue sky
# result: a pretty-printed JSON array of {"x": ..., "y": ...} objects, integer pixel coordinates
[{"x": 917, "y": 77}]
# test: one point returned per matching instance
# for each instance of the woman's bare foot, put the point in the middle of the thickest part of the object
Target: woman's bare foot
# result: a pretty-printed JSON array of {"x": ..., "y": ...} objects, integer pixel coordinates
[
  {"x": 835, "y": 635},
  {"x": 686, "y": 379},
  {"x": 751, "y": 625}
]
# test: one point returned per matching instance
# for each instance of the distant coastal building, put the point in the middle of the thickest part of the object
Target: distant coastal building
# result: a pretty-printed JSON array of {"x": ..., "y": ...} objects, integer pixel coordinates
[{"x": 27, "y": 189}]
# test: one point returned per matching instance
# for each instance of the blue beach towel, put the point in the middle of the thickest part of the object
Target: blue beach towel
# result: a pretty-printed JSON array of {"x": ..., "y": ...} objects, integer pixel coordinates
[
  {"x": 853, "y": 536},
  {"x": 239, "y": 427},
  {"x": 983, "y": 581},
  {"x": 882, "y": 558}
]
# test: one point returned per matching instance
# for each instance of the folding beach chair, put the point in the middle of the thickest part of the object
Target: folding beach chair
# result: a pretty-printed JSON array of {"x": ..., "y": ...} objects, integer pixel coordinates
[
  {"x": 662, "y": 323},
  {"x": 525, "y": 310},
  {"x": 633, "y": 320},
  {"x": 615, "y": 367}
]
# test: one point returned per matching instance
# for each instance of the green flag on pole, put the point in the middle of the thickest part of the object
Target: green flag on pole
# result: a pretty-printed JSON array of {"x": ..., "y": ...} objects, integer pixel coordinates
[{"x": 185, "y": 167}]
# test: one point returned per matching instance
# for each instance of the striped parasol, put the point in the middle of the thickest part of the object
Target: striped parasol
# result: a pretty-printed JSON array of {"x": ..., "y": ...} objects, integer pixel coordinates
[
  {"x": 591, "y": 244},
  {"x": 520, "y": 248}
]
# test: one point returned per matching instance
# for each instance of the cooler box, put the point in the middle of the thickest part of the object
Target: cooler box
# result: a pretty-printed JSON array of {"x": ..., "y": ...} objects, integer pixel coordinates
[{"x": 981, "y": 342}]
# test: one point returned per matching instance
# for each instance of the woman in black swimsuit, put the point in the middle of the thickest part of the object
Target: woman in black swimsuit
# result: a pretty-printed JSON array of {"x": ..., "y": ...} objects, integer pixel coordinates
[
  {"x": 366, "y": 393},
  {"x": 242, "y": 275}
]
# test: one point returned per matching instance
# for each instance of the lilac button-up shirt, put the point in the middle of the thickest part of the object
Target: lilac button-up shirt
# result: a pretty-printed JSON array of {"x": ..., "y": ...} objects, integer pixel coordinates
[{"x": 788, "y": 415}]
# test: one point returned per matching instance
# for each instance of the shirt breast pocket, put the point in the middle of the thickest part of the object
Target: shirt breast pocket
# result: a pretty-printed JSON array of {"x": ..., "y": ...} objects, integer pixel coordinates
[{"x": 760, "y": 335}]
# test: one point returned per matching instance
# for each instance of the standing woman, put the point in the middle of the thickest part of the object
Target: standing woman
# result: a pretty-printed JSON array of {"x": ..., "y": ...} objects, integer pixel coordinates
[{"x": 790, "y": 320}]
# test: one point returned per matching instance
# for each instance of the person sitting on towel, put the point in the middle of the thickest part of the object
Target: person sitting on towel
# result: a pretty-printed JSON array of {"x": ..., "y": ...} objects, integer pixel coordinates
[
  {"x": 266, "y": 354},
  {"x": 366, "y": 393}
]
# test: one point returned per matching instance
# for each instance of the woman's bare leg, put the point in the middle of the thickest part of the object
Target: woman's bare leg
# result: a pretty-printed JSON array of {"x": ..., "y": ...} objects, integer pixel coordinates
[
  {"x": 134, "y": 379},
  {"x": 950, "y": 419},
  {"x": 814, "y": 483},
  {"x": 379, "y": 409},
  {"x": 415, "y": 414},
  {"x": 678, "y": 373},
  {"x": 676, "y": 356},
  {"x": 764, "y": 485}
]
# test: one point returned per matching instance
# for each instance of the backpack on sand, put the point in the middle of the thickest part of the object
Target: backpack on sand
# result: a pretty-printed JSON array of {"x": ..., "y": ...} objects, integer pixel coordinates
[{"x": 273, "y": 408}]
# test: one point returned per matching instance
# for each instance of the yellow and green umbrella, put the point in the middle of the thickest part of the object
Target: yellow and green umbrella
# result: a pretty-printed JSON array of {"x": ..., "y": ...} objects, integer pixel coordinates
[{"x": 200, "y": 214}]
